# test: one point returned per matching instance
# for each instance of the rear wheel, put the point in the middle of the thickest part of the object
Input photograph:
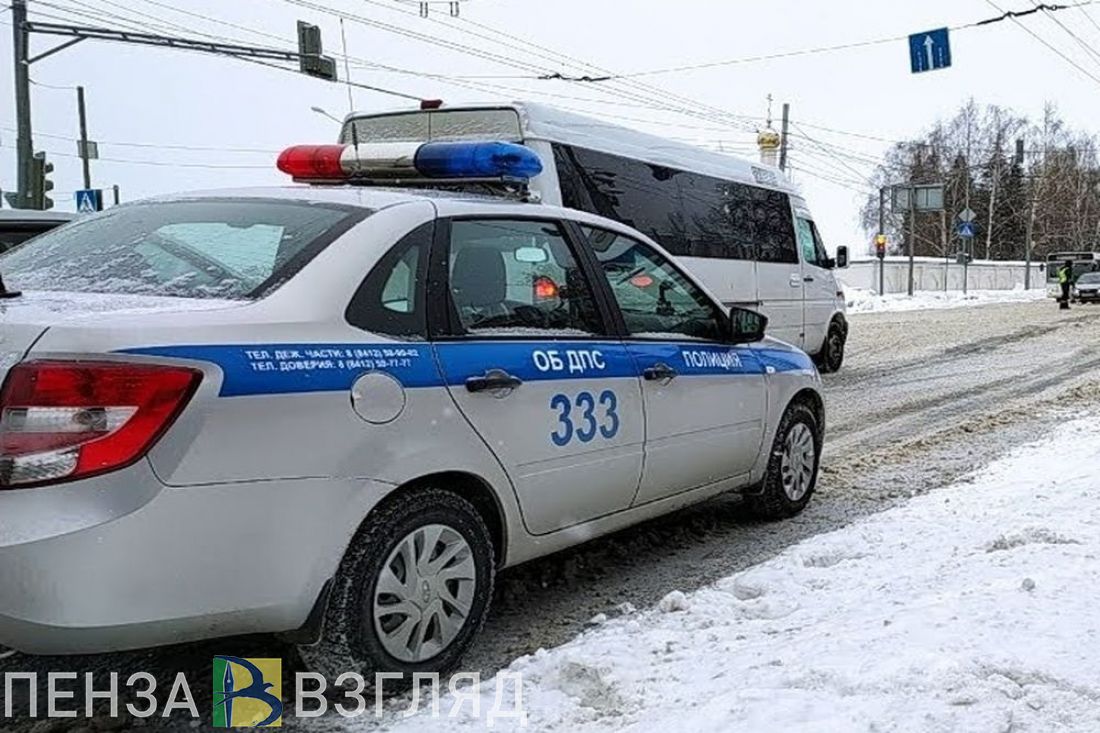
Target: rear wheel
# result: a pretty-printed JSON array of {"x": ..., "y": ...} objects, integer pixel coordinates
[
  {"x": 831, "y": 356},
  {"x": 411, "y": 593},
  {"x": 792, "y": 468}
]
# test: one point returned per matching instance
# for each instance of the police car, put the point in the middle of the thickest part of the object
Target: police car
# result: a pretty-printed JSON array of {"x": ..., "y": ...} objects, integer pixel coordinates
[{"x": 336, "y": 411}]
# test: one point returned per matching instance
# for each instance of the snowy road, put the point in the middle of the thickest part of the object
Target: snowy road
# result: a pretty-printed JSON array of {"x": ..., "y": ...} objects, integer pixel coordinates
[
  {"x": 969, "y": 609},
  {"x": 923, "y": 398}
]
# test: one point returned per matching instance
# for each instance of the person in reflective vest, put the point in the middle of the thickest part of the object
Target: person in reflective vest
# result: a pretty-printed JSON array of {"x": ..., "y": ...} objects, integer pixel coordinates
[{"x": 1065, "y": 279}]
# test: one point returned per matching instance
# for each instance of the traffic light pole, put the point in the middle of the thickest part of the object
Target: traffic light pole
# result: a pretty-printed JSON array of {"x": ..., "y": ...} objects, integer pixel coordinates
[
  {"x": 85, "y": 153},
  {"x": 24, "y": 143},
  {"x": 309, "y": 58}
]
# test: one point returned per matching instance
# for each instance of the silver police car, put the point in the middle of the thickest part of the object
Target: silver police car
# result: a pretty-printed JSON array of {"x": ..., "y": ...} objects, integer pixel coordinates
[{"x": 338, "y": 411}]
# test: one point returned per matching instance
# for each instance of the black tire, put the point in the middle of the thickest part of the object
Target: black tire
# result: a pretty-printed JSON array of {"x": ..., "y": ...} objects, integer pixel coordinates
[
  {"x": 831, "y": 356},
  {"x": 349, "y": 641},
  {"x": 773, "y": 502}
]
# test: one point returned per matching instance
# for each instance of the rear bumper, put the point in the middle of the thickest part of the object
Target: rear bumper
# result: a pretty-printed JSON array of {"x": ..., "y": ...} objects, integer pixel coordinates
[{"x": 134, "y": 563}]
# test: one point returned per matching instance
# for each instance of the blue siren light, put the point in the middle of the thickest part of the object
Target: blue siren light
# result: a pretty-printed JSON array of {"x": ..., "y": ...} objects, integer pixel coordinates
[{"x": 477, "y": 160}]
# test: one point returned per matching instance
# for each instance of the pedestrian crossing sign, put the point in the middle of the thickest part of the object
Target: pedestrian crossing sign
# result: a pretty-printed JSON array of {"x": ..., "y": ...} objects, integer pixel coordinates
[{"x": 89, "y": 201}]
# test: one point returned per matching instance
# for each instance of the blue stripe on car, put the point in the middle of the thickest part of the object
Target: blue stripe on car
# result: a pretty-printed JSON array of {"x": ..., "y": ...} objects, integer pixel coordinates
[{"x": 264, "y": 369}]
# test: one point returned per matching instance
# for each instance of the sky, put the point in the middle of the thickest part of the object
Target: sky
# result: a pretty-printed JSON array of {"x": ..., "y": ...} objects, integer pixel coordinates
[{"x": 226, "y": 120}]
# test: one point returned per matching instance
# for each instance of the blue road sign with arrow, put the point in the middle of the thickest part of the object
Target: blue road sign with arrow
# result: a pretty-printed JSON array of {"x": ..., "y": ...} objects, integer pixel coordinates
[
  {"x": 930, "y": 50},
  {"x": 966, "y": 229}
]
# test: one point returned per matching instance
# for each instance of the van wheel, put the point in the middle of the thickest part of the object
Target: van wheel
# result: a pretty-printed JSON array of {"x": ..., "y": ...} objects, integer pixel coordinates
[
  {"x": 831, "y": 356},
  {"x": 411, "y": 593},
  {"x": 792, "y": 468}
]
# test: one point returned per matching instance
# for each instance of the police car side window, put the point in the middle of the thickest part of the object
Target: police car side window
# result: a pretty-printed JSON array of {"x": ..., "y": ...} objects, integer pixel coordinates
[
  {"x": 656, "y": 300},
  {"x": 518, "y": 278},
  {"x": 391, "y": 300}
]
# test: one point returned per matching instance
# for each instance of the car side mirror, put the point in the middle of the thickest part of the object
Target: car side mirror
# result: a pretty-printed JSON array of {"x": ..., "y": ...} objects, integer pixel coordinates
[
  {"x": 841, "y": 257},
  {"x": 746, "y": 326}
]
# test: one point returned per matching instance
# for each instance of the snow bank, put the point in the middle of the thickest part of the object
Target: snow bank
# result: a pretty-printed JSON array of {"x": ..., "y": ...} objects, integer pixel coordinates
[
  {"x": 860, "y": 300},
  {"x": 969, "y": 609}
]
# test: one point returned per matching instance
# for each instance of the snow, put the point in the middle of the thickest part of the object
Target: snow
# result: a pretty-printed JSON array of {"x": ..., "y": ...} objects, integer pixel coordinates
[
  {"x": 860, "y": 300},
  {"x": 971, "y": 608}
]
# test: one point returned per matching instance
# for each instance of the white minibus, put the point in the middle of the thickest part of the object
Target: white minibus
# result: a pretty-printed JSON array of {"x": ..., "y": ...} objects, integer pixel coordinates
[{"x": 739, "y": 226}]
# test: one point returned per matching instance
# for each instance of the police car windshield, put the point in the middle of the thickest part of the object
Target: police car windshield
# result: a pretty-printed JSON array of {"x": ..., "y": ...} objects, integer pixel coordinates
[{"x": 201, "y": 248}]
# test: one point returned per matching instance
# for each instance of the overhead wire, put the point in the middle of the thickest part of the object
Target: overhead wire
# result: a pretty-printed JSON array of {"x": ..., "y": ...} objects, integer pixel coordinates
[
  {"x": 1080, "y": 41},
  {"x": 480, "y": 53},
  {"x": 1045, "y": 42}
]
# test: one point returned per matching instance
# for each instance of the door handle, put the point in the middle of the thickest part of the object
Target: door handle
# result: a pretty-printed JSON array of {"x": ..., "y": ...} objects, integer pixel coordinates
[
  {"x": 659, "y": 373},
  {"x": 796, "y": 281},
  {"x": 807, "y": 279},
  {"x": 491, "y": 381}
]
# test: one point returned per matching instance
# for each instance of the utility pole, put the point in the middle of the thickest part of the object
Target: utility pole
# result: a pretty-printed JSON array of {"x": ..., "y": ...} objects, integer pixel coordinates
[
  {"x": 966, "y": 241},
  {"x": 912, "y": 240},
  {"x": 85, "y": 153},
  {"x": 783, "y": 139},
  {"x": 1032, "y": 202},
  {"x": 21, "y": 64}
]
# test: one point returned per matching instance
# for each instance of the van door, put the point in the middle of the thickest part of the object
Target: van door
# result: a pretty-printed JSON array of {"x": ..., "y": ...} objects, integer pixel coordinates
[
  {"x": 779, "y": 270},
  {"x": 819, "y": 285}
]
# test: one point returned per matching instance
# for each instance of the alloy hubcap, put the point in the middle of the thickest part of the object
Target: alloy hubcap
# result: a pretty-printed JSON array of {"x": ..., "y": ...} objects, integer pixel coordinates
[
  {"x": 424, "y": 593},
  {"x": 797, "y": 463}
]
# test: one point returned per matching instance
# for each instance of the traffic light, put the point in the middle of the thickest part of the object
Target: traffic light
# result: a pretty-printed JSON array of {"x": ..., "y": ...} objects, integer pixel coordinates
[
  {"x": 880, "y": 246},
  {"x": 310, "y": 60},
  {"x": 40, "y": 182}
]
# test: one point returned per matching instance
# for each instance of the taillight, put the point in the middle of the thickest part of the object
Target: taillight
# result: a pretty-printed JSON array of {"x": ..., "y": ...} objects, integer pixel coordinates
[{"x": 65, "y": 420}]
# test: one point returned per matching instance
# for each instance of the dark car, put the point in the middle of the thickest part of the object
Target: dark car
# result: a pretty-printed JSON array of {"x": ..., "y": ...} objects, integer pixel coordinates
[
  {"x": 18, "y": 225},
  {"x": 1087, "y": 288}
]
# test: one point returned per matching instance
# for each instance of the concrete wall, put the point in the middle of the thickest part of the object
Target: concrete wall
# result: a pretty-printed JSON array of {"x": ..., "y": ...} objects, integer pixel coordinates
[{"x": 930, "y": 273}]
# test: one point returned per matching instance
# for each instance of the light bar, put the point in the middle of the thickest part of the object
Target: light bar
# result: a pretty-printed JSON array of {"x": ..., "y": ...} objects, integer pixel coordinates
[
  {"x": 477, "y": 160},
  {"x": 450, "y": 160}
]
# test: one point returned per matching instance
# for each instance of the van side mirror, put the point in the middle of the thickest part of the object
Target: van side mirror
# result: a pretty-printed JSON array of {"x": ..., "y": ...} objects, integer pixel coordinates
[
  {"x": 747, "y": 327},
  {"x": 841, "y": 257}
]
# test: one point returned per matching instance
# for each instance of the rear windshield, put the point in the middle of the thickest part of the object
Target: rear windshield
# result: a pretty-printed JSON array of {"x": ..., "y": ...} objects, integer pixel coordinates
[
  {"x": 208, "y": 248},
  {"x": 436, "y": 125}
]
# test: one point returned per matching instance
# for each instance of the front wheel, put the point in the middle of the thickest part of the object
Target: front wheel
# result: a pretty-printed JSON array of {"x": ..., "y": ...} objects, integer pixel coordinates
[
  {"x": 792, "y": 468},
  {"x": 831, "y": 356},
  {"x": 411, "y": 593}
]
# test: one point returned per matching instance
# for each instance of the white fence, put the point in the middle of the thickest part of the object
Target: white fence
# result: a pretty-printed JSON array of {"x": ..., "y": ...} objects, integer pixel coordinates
[{"x": 930, "y": 273}]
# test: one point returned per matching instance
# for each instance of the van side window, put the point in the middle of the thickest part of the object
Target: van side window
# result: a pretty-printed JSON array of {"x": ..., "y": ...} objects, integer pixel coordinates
[
  {"x": 689, "y": 214},
  {"x": 645, "y": 197},
  {"x": 819, "y": 244},
  {"x": 806, "y": 242},
  {"x": 773, "y": 226},
  {"x": 391, "y": 299}
]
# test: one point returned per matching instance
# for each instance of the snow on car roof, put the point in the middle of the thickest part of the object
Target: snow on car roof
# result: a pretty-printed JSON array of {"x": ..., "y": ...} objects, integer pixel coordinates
[{"x": 368, "y": 197}]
